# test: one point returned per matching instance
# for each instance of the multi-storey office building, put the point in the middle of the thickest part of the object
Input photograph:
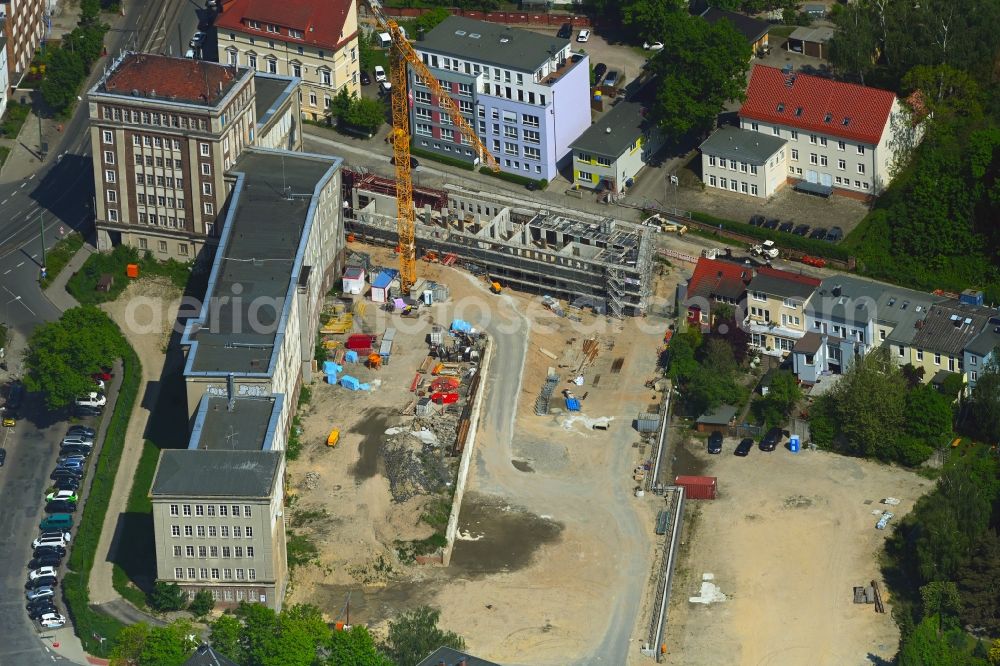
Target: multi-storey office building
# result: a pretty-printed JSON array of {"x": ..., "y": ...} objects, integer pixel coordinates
[
  {"x": 312, "y": 40},
  {"x": 526, "y": 95}
]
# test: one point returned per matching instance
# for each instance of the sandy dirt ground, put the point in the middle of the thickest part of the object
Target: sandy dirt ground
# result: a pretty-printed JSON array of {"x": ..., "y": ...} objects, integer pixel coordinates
[
  {"x": 555, "y": 551},
  {"x": 788, "y": 538}
]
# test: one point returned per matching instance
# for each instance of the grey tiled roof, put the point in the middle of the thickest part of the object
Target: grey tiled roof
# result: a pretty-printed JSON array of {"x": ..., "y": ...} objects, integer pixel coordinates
[
  {"x": 189, "y": 473},
  {"x": 491, "y": 43}
]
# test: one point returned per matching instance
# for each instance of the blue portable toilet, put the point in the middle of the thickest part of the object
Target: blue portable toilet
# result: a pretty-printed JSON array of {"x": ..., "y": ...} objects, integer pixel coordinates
[
  {"x": 793, "y": 443},
  {"x": 350, "y": 356},
  {"x": 573, "y": 404},
  {"x": 331, "y": 378}
]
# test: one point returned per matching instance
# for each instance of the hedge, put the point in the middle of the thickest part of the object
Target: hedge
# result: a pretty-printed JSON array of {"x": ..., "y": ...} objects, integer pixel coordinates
[
  {"x": 87, "y": 621},
  {"x": 443, "y": 159},
  {"x": 814, "y": 246},
  {"x": 514, "y": 178}
]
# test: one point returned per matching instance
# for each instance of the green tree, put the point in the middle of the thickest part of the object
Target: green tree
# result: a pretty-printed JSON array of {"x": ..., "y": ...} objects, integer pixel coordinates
[
  {"x": 978, "y": 580},
  {"x": 941, "y": 600},
  {"x": 650, "y": 20},
  {"x": 925, "y": 646},
  {"x": 354, "y": 646},
  {"x": 870, "y": 401},
  {"x": 429, "y": 20},
  {"x": 202, "y": 604},
  {"x": 415, "y": 634},
  {"x": 928, "y": 415},
  {"x": 63, "y": 73},
  {"x": 782, "y": 396},
  {"x": 366, "y": 50},
  {"x": 129, "y": 644},
  {"x": 681, "y": 355},
  {"x": 225, "y": 636},
  {"x": 945, "y": 91},
  {"x": 854, "y": 44},
  {"x": 62, "y": 355},
  {"x": 257, "y": 636},
  {"x": 341, "y": 105},
  {"x": 994, "y": 654},
  {"x": 701, "y": 67},
  {"x": 366, "y": 114},
  {"x": 167, "y": 597},
  {"x": 170, "y": 645},
  {"x": 823, "y": 421},
  {"x": 984, "y": 402}
]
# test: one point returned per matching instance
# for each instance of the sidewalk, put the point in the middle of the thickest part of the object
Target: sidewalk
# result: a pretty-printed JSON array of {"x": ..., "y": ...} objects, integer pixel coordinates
[{"x": 56, "y": 292}]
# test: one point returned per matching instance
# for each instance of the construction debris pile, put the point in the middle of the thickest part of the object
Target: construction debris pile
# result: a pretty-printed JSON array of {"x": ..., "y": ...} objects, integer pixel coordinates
[{"x": 414, "y": 461}]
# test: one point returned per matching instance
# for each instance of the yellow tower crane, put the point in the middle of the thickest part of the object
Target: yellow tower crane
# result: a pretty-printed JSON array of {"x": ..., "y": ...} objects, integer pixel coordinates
[{"x": 401, "y": 54}]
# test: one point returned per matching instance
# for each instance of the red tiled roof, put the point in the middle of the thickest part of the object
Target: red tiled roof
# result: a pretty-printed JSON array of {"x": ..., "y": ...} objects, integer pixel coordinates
[
  {"x": 779, "y": 274},
  {"x": 865, "y": 110},
  {"x": 320, "y": 21},
  {"x": 712, "y": 276},
  {"x": 173, "y": 79}
]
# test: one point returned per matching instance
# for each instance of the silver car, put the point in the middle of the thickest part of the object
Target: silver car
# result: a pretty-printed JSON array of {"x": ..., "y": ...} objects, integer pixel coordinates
[{"x": 40, "y": 593}]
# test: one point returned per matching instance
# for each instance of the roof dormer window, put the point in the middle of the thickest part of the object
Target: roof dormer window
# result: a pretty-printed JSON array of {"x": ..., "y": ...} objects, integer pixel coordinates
[
  {"x": 828, "y": 117},
  {"x": 781, "y": 107}
]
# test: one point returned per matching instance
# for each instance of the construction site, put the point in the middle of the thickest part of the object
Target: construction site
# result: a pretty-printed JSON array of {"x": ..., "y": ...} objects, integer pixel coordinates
[{"x": 591, "y": 262}]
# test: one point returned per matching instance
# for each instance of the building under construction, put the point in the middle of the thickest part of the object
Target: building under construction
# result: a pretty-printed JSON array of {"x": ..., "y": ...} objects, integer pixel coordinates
[{"x": 594, "y": 262}]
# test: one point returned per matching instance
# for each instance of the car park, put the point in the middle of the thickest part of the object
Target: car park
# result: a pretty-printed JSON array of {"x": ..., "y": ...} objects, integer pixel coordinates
[
  {"x": 583, "y": 36},
  {"x": 366, "y": 78},
  {"x": 59, "y": 539},
  {"x": 835, "y": 234},
  {"x": 818, "y": 233},
  {"x": 565, "y": 31},
  {"x": 757, "y": 220},
  {"x": 60, "y": 506},
  {"x": 743, "y": 448},
  {"x": 715, "y": 442},
  {"x": 38, "y": 593},
  {"x": 56, "y": 521},
  {"x": 52, "y": 621},
  {"x": 380, "y": 74},
  {"x": 786, "y": 227},
  {"x": 771, "y": 223},
  {"x": 771, "y": 440},
  {"x": 801, "y": 230},
  {"x": 600, "y": 69}
]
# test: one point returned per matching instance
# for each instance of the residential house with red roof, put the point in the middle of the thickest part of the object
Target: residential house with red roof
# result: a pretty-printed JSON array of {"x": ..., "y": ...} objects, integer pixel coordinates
[
  {"x": 775, "y": 316},
  {"x": 714, "y": 281},
  {"x": 314, "y": 40},
  {"x": 841, "y": 137}
]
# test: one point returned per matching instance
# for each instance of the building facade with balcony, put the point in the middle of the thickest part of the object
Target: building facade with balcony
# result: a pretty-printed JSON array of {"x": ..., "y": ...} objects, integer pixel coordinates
[
  {"x": 312, "y": 40},
  {"x": 842, "y": 137},
  {"x": 775, "y": 314},
  {"x": 526, "y": 95},
  {"x": 23, "y": 26}
]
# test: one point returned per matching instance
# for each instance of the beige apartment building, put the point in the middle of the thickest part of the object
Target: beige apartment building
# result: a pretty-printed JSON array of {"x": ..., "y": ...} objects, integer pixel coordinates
[
  {"x": 314, "y": 40},
  {"x": 163, "y": 132},
  {"x": 23, "y": 25},
  {"x": 775, "y": 309},
  {"x": 219, "y": 524}
]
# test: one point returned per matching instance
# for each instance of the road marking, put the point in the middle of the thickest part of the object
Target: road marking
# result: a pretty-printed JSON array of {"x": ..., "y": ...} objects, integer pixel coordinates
[
  {"x": 22, "y": 185},
  {"x": 18, "y": 266},
  {"x": 34, "y": 256},
  {"x": 4, "y": 202},
  {"x": 31, "y": 177},
  {"x": 7, "y": 271}
]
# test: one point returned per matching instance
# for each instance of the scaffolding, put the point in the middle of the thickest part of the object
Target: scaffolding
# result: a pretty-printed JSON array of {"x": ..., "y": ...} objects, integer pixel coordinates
[{"x": 601, "y": 262}]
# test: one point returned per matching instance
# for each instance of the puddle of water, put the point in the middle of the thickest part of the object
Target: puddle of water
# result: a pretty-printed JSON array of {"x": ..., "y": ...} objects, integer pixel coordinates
[
  {"x": 509, "y": 536},
  {"x": 371, "y": 428},
  {"x": 373, "y": 604},
  {"x": 684, "y": 462},
  {"x": 522, "y": 466}
]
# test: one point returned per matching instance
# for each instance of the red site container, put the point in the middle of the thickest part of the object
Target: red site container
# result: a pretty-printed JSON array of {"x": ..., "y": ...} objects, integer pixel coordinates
[
  {"x": 698, "y": 487},
  {"x": 444, "y": 398},
  {"x": 360, "y": 341}
]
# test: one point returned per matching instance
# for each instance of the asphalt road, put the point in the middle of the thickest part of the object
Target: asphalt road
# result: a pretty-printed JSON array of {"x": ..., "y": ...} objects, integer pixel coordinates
[{"x": 59, "y": 195}]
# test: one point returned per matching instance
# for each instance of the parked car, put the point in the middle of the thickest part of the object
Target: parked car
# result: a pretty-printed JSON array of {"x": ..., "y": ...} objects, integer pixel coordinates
[
  {"x": 52, "y": 621},
  {"x": 45, "y": 561},
  {"x": 69, "y": 457},
  {"x": 565, "y": 31},
  {"x": 81, "y": 431},
  {"x": 786, "y": 227},
  {"x": 771, "y": 440},
  {"x": 380, "y": 74},
  {"x": 771, "y": 223},
  {"x": 883, "y": 521},
  {"x": 743, "y": 448},
  {"x": 757, "y": 220},
  {"x": 715, "y": 442},
  {"x": 60, "y": 506},
  {"x": 835, "y": 234},
  {"x": 75, "y": 449},
  {"x": 600, "y": 69},
  {"x": 655, "y": 46},
  {"x": 39, "y": 602},
  {"x": 49, "y": 550},
  {"x": 384, "y": 88},
  {"x": 37, "y": 593},
  {"x": 72, "y": 465},
  {"x": 583, "y": 36},
  {"x": 83, "y": 411},
  {"x": 611, "y": 80},
  {"x": 41, "y": 573},
  {"x": 801, "y": 230},
  {"x": 818, "y": 233},
  {"x": 59, "y": 539},
  {"x": 197, "y": 40},
  {"x": 92, "y": 399},
  {"x": 42, "y": 609},
  {"x": 64, "y": 495},
  {"x": 44, "y": 581},
  {"x": 56, "y": 521},
  {"x": 366, "y": 78},
  {"x": 104, "y": 374},
  {"x": 3, "y": 456}
]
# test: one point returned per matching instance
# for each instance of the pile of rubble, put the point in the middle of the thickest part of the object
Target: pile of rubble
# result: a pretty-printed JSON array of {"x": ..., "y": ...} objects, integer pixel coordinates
[{"x": 414, "y": 458}]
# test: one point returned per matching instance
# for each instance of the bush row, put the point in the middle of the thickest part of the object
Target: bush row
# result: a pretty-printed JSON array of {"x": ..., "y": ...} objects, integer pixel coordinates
[
  {"x": 813, "y": 246},
  {"x": 443, "y": 159},
  {"x": 87, "y": 621},
  {"x": 514, "y": 178}
]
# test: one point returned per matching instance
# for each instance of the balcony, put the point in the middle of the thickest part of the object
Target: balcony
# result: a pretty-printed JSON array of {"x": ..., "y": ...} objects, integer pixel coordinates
[{"x": 563, "y": 69}]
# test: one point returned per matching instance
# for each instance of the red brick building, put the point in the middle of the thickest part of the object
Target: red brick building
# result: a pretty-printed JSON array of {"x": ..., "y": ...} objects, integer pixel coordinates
[{"x": 24, "y": 26}]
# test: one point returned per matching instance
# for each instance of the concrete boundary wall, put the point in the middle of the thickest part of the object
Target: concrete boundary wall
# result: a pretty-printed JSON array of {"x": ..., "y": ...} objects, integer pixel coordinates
[{"x": 470, "y": 445}]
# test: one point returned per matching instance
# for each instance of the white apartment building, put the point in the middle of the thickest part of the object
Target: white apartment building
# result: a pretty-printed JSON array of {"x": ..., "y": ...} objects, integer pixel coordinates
[
  {"x": 840, "y": 135},
  {"x": 314, "y": 40},
  {"x": 744, "y": 162}
]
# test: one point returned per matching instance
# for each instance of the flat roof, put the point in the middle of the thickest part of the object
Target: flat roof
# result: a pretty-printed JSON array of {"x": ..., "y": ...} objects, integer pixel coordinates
[
  {"x": 733, "y": 143},
  {"x": 491, "y": 43},
  {"x": 248, "y": 425},
  {"x": 272, "y": 93},
  {"x": 257, "y": 266},
  {"x": 819, "y": 34},
  {"x": 614, "y": 132},
  {"x": 751, "y": 28},
  {"x": 247, "y": 474}
]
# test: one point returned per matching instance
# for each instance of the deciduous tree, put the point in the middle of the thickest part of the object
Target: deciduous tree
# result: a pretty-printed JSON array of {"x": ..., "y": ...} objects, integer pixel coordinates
[
  {"x": 415, "y": 634},
  {"x": 354, "y": 646}
]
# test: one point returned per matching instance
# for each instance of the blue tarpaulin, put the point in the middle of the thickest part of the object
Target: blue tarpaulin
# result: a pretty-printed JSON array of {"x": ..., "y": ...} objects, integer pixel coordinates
[
  {"x": 349, "y": 382},
  {"x": 572, "y": 404},
  {"x": 461, "y": 326}
]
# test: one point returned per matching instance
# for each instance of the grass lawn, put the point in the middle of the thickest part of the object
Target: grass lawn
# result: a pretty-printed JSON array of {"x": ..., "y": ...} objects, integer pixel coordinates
[
  {"x": 16, "y": 114},
  {"x": 4, "y": 152},
  {"x": 83, "y": 285},
  {"x": 60, "y": 254},
  {"x": 782, "y": 30}
]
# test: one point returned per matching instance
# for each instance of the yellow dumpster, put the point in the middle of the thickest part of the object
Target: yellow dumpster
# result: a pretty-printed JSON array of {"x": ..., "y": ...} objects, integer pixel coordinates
[{"x": 333, "y": 438}]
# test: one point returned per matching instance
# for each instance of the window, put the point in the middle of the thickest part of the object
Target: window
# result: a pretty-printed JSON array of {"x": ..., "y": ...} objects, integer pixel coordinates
[
  {"x": 187, "y": 510},
  {"x": 423, "y": 129},
  {"x": 776, "y": 131},
  {"x": 249, "y": 532},
  {"x": 841, "y": 164},
  {"x": 711, "y": 160},
  {"x": 822, "y": 160},
  {"x": 861, "y": 150},
  {"x": 252, "y": 60},
  {"x": 250, "y": 551},
  {"x": 795, "y": 155},
  {"x": 215, "y": 574},
  {"x": 937, "y": 359},
  {"x": 179, "y": 572},
  {"x": 177, "y": 551},
  {"x": 510, "y": 148},
  {"x": 841, "y": 145},
  {"x": 532, "y": 153},
  {"x": 174, "y": 509},
  {"x": 296, "y": 70},
  {"x": 204, "y": 149},
  {"x": 753, "y": 169},
  {"x": 813, "y": 158},
  {"x": 861, "y": 168},
  {"x": 510, "y": 132},
  {"x": 743, "y": 167},
  {"x": 324, "y": 77},
  {"x": 920, "y": 354},
  {"x": 175, "y": 530},
  {"x": 138, "y": 159},
  {"x": 213, "y": 551},
  {"x": 465, "y": 89},
  {"x": 795, "y": 135},
  {"x": 109, "y": 157},
  {"x": 232, "y": 57},
  {"x": 448, "y": 135},
  {"x": 812, "y": 139},
  {"x": 211, "y": 509},
  {"x": 107, "y": 137},
  {"x": 182, "y": 249},
  {"x": 529, "y": 120},
  {"x": 973, "y": 360},
  {"x": 112, "y": 196},
  {"x": 227, "y": 574},
  {"x": 743, "y": 187},
  {"x": 753, "y": 189},
  {"x": 188, "y": 529},
  {"x": 206, "y": 169},
  {"x": 189, "y": 551},
  {"x": 227, "y": 551},
  {"x": 586, "y": 176},
  {"x": 224, "y": 531},
  {"x": 711, "y": 181},
  {"x": 822, "y": 141},
  {"x": 723, "y": 183},
  {"x": 423, "y": 113},
  {"x": 206, "y": 189},
  {"x": 424, "y": 97},
  {"x": 201, "y": 531},
  {"x": 240, "y": 574},
  {"x": 732, "y": 164},
  {"x": 238, "y": 551}
]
